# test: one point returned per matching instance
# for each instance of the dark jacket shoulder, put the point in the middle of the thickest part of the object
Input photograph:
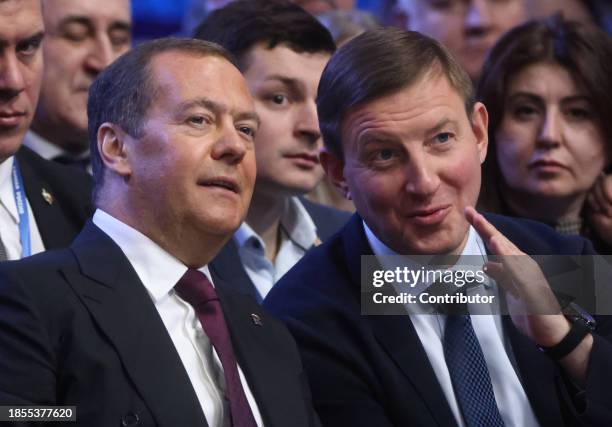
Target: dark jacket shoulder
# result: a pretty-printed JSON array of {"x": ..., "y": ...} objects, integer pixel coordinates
[
  {"x": 328, "y": 220},
  {"x": 60, "y": 197}
]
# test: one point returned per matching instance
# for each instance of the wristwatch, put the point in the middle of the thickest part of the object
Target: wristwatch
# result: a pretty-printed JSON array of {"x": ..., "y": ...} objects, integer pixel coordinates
[{"x": 582, "y": 323}]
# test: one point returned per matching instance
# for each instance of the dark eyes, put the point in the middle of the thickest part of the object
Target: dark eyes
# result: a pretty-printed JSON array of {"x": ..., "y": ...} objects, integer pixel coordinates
[
  {"x": 278, "y": 99},
  {"x": 249, "y": 131},
  {"x": 29, "y": 47},
  {"x": 79, "y": 32},
  {"x": 385, "y": 154},
  {"x": 201, "y": 121},
  {"x": 119, "y": 38},
  {"x": 528, "y": 112},
  {"x": 579, "y": 113},
  {"x": 197, "y": 120},
  {"x": 524, "y": 111}
]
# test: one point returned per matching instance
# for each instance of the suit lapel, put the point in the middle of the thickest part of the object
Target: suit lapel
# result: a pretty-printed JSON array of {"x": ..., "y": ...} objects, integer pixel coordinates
[
  {"x": 50, "y": 220},
  {"x": 124, "y": 311},
  {"x": 396, "y": 334}
]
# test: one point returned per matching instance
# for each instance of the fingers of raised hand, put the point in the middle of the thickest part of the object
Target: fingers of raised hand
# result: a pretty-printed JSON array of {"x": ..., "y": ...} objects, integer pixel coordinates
[{"x": 497, "y": 243}]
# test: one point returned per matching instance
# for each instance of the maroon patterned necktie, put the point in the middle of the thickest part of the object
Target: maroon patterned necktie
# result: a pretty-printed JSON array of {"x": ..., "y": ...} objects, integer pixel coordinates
[{"x": 195, "y": 288}]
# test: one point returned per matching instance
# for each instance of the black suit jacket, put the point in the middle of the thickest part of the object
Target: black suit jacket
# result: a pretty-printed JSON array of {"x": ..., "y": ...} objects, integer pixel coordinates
[
  {"x": 61, "y": 220},
  {"x": 228, "y": 264},
  {"x": 374, "y": 371},
  {"x": 77, "y": 327}
]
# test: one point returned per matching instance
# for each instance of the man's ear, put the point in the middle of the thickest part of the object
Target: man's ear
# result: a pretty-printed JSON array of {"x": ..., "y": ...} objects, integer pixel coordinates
[
  {"x": 480, "y": 127},
  {"x": 112, "y": 148},
  {"x": 334, "y": 168}
]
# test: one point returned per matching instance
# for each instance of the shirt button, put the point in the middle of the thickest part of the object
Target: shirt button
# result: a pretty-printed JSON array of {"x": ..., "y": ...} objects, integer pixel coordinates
[{"x": 130, "y": 419}]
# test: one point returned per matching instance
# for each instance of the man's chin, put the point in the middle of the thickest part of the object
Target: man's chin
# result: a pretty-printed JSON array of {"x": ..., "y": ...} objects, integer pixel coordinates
[{"x": 10, "y": 143}]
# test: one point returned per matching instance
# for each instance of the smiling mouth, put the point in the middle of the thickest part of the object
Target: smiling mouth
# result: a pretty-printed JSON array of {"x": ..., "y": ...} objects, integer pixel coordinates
[{"x": 429, "y": 216}]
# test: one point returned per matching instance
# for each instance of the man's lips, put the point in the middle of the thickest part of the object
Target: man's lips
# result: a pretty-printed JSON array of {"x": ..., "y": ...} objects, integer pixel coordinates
[
  {"x": 11, "y": 118},
  {"x": 429, "y": 215},
  {"x": 304, "y": 159},
  {"x": 221, "y": 182}
]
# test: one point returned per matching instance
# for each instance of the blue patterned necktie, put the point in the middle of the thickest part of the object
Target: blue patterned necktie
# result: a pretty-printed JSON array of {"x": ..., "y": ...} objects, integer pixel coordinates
[{"x": 469, "y": 374}]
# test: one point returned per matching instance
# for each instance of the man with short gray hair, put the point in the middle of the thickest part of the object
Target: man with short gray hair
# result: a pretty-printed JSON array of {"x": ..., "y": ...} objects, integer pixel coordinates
[{"x": 128, "y": 324}]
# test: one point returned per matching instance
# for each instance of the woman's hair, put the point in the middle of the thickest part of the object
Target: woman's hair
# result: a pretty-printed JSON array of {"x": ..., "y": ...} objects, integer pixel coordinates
[{"x": 583, "y": 50}]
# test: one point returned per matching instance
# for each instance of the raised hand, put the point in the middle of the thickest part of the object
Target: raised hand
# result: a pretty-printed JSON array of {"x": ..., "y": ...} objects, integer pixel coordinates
[{"x": 531, "y": 302}]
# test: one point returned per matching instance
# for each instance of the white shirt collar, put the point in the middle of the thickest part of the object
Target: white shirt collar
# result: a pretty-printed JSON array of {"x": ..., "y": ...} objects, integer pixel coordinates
[
  {"x": 473, "y": 246},
  {"x": 158, "y": 270},
  {"x": 41, "y": 146},
  {"x": 295, "y": 222},
  {"x": 7, "y": 197},
  {"x": 46, "y": 149}
]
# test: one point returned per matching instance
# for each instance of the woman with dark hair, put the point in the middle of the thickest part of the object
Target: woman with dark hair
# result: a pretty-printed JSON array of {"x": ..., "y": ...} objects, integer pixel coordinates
[{"x": 547, "y": 86}]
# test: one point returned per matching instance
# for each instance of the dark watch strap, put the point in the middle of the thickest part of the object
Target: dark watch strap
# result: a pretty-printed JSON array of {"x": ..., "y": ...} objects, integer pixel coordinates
[{"x": 579, "y": 329}]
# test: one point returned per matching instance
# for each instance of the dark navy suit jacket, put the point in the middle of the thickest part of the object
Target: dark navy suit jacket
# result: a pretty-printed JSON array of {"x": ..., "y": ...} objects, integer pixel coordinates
[
  {"x": 77, "y": 327},
  {"x": 228, "y": 265},
  {"x": 61, "y": 217},
  {"x": 374, "y": 371}
]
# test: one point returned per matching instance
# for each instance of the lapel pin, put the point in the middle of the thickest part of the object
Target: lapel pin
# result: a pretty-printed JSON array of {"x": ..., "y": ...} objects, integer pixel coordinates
[
  {"x": 256, "y": 319},
  {"x": 47, "y": 196}
]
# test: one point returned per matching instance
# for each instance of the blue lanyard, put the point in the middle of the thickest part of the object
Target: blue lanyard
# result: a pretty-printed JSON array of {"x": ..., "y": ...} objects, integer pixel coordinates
[{"x": 22, "y": 210}]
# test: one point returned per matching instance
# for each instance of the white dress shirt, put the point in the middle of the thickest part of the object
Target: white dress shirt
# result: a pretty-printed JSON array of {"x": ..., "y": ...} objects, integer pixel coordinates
[
  {"x": 9, "y": 217},
  {"x": 298, "y": 234},
  {"x": 510, "y": 396},
  {"x": 48, "y": 150},
  {"x": 159, "y": 272}
]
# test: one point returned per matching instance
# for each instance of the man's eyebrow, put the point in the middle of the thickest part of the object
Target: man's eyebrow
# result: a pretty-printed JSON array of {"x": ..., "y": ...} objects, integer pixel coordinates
[
  {"x": 217, "y": 108},
  {"x": 291, "y": 82},
  {"x": 75, "y": 19},
  {"x": 120, "y": 25},
  {"x": 249, "y": 115},
  {"x": 208, "y": 104},
  {"x": 36, "y": 38},
  {"x": 33, "y": 38},
  {"x": 443, "y": 122}
]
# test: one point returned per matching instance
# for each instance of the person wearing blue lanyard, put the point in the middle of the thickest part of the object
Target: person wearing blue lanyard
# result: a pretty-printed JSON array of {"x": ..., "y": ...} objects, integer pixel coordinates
[
  {"x": 42, "y": 205},
  {"x": 129, "y": 324}
]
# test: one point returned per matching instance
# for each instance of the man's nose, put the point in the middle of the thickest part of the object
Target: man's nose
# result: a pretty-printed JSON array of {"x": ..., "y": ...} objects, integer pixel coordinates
[
  {"x": 422, "y": 178},
  {"x": 230, "y": 146},
  {"x": 100, "y": 55},
  {"x": 12, "y": 81},
  {"x": 307, "y": 125}
]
